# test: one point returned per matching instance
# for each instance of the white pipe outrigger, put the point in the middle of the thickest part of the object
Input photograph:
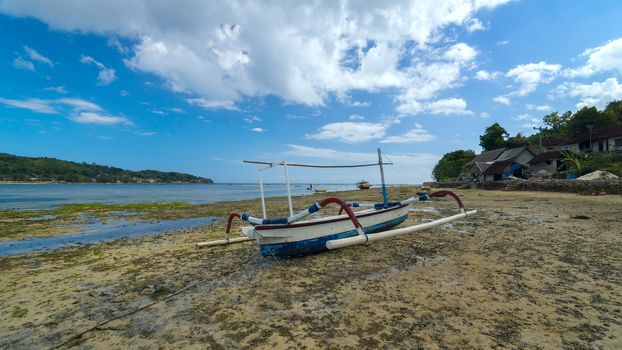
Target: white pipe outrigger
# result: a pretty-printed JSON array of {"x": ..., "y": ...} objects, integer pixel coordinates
[{"x": 289, "y": 236}]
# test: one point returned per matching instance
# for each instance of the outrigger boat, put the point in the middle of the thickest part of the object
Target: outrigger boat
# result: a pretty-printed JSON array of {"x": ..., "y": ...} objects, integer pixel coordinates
[{"x": 290, "y": 236}]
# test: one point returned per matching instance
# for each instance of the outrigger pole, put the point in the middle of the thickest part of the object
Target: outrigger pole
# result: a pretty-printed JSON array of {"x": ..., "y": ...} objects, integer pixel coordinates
[
  {"x": 289, "y": 191},
  {"x": 385, "y": 197}
]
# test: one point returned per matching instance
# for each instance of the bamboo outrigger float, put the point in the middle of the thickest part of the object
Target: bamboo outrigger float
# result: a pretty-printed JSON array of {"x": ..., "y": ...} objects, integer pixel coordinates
[{"x": 291, "y": 236}]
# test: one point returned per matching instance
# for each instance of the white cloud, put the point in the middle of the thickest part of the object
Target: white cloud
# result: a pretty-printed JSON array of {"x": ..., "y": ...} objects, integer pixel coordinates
[
  {"x": 542, "y": 108},
  {"x": 228, "y": 51},
  {"x": 258, "y": 130},
  {"x": 20, "y": 63},
  {"x": 105, "y": 76},
  {"x": 124, "y": 93},
  {"x": 596, "y": 94},
  {"x": 100, "y": 119},
  {"x": 484, "y": 115},
  {"x": 58, "y": 89},
  {"x": 530, "y": 75},
  {"x": 176, "y": 110},
  {"x": 49, "y": 106},
  {"x": 147, "y": 133},
  {"x": 502, "y": 100},
  {"x": 252, "y": 119},
  {"x": 503, "y": 42},
  {"x": 532, "y": 123},
  {"x": 418, "y": 134},
  {"x": 158, "y": 111},
  {"x": 356, "y": 117},
  {"x": 212, "y": 104},
  {"x": 35, "y": 56},
  {"x": 349, "y": 132},
  {"x": 449, "y": 106},
  {"x": 78, "y": 104},
  {"x": 461, "y": 53},
  {"x": 474, "y": 24},
  {"x": 521, "y": 117},
  {"x": 33, "y": 104},
  {"x": 484, "y": 75},
  {"x": 603, "y": 58}
]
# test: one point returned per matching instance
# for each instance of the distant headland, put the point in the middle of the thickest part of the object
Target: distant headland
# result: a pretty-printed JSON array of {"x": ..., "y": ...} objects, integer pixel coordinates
[{"x": 17, "y": 169}]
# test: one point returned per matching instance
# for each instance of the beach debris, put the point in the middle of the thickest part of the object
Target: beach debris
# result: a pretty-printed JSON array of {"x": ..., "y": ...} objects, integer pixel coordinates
[{"x": 597, "y": 175}]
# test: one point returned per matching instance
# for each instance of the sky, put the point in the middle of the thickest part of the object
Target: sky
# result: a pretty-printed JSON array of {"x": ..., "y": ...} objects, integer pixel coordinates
[{"x": 202, "y": 85}]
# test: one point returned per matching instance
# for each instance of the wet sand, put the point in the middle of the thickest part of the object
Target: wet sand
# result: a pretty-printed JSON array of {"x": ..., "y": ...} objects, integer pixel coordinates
[{"x": 530, "y": 270}]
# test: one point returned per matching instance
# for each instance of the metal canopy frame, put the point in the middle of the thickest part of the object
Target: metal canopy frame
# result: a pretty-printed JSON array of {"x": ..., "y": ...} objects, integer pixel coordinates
[{"x": 284, "y": 164}]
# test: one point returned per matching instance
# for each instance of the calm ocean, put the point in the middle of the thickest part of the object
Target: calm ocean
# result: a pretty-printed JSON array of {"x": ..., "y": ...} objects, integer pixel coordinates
[{"x": 45, "y": 196}]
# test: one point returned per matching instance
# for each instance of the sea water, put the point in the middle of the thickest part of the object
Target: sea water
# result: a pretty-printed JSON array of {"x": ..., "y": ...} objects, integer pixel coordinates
[{"x": 47, "y": 196}]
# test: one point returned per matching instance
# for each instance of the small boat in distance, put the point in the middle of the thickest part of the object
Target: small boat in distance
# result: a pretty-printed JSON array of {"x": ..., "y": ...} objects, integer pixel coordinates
[
  {"x": 363, "y": 185},
  {"x": 291, "y": 236}
]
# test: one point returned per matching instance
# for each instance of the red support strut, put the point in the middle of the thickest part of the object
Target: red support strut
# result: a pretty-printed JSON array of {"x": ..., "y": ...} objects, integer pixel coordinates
[{"x": 443, "y": 193}]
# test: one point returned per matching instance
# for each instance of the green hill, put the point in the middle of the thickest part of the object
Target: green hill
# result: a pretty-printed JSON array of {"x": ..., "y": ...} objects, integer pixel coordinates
[{"x": 27, "y": 169}]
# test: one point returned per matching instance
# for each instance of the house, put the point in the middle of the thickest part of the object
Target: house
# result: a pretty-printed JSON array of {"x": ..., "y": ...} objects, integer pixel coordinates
[
  {"x": 545, "y": 164},
  {"x": 500, "y": 164},
  {"x": 482, "y": 161},
  {"x": 598, "y": 140}
]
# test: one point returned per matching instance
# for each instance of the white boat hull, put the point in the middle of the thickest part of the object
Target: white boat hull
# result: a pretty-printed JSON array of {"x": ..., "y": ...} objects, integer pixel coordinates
[{"x": 306, "y": 237}]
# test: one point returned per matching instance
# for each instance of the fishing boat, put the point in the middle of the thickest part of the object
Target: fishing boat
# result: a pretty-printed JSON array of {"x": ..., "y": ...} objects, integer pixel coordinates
[
  {"x": 363, "y": 185},
  {"x": 292, "y": 236}
]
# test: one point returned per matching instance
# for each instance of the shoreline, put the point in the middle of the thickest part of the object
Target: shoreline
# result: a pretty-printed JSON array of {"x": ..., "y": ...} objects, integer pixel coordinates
[{"x": 531, "y": 269}]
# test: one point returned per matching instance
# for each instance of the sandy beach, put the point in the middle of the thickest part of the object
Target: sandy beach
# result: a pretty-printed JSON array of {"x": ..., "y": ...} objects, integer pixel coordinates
[{"x": 532, "y": 270}]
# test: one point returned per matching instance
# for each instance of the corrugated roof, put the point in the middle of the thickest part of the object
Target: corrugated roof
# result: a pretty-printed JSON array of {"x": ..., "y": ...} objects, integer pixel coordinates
[
  {"x": 511, "y": 153},
  {"x": 543, "y": 157},
  {"x": 487, "y": 156},
  {"x": 497, "y": 168},
  {"x": 597, "y": 134}
]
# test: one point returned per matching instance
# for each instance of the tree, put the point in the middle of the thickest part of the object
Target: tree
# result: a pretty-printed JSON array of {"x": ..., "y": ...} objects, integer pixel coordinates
[
  {"x": 452, "y": 165},
  {"x": 519, "y": 140},
  {"x": 493, "y": 138},
  {"x": 589, "y": 117},
  {"x": 614, "y": 110}
]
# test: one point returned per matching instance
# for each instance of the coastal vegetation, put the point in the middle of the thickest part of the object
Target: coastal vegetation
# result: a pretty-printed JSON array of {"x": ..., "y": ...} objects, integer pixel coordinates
[
  {"x": 557, "y": 128},
  {"x": 43, "y": 169}
]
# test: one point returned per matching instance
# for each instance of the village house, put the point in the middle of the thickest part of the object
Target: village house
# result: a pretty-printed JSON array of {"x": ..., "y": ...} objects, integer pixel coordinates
[
  {"x": 598, "y": 140},
  {"x": 500, "y": 164},
  {"x": 545, "y": 164}
]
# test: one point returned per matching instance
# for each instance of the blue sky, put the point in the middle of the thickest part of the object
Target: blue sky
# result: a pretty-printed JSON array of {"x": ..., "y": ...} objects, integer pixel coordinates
[{"x": 198, "y": 87}]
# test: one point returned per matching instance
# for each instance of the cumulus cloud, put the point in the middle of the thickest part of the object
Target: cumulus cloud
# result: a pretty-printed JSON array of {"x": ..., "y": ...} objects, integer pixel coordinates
[
  {"x": 356, "y": 117},
  {"x": 106, "y": 75},
  {"x": 599, "y": 59},
  {"x": 349, "y": 132},
  {"x": 460, "y": 52},
  {"x": 502, "y": 100},
  {"x": 36, "y": 56},
  {"x": 530, "y": 75},
  {"x": 449, "y": 106},
  {"x": 542, "y": 108},
  {"x": 418, "y": 134},
  {"x": 485, "y": 75},
  {"x": 595, "y": 94},
  {"x": 302, "y": 52},
  {"x": 258, "y": 130},
  {"x": 101, "y": 119}
]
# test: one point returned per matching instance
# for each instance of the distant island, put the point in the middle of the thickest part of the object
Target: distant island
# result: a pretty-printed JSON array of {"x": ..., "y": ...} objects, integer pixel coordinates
[{"x": 43, "y": 169}]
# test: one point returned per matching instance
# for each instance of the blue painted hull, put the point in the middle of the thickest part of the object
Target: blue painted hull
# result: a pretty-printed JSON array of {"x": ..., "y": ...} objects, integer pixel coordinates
[{"x": 316, "y": 245}]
